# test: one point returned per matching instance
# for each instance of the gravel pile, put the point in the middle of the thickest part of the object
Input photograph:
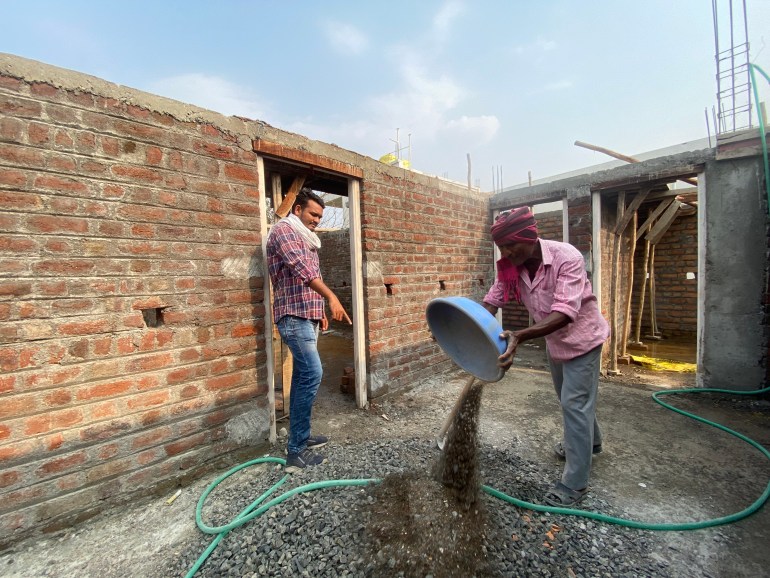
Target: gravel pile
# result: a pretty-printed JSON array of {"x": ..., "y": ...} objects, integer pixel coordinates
[{"x": 326, "y": 532}]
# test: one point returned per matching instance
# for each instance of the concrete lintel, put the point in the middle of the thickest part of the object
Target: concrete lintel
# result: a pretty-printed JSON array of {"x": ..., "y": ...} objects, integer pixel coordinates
[
  {"x": 661, "y": 169},
  {"x": 285, "y": 152}
]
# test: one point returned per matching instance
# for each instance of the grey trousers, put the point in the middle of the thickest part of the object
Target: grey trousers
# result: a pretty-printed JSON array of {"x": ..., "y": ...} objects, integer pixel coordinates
[{"x": 577, "y": 382}]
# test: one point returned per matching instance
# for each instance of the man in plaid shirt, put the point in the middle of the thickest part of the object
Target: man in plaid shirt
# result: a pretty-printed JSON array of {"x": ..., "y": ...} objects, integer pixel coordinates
[{"x": 298, "y": 312}]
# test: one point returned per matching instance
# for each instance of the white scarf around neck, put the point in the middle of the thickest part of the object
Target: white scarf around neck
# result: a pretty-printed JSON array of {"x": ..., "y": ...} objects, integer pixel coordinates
[{"x": 299, "y": 227}]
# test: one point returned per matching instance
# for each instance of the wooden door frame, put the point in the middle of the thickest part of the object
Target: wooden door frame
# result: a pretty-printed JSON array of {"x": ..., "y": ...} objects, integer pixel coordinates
[{"x": 357, "y": 282}]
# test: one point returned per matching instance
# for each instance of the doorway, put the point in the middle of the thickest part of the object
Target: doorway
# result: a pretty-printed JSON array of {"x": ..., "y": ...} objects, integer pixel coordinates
[{"x": 342, "y": 346}]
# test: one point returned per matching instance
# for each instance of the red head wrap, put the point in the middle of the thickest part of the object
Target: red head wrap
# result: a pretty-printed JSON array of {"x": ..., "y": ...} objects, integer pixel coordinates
[{"x": 514, "y": 226}]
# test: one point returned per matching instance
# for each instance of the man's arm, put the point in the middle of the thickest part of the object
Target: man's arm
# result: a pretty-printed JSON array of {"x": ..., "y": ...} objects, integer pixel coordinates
[
  {"x": 338, "y": 312},
  {"x": 552, "y": 322}
]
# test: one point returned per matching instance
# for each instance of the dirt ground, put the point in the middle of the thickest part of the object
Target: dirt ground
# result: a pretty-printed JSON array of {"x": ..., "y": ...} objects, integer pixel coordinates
[{"x": 657, "y": 466}]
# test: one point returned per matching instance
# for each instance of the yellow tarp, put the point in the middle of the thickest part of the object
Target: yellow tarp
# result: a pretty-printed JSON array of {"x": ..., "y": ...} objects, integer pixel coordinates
[{"x": 663, "y": 364}]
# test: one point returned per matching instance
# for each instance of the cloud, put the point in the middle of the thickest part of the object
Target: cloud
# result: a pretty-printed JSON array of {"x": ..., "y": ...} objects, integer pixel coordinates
[
  {"x": 558, "y": 85},
  {"x": 345, "y": 38},
  {"x": 538, "y": 47},
  {"x": 211, "y": 92},
  {"x": 442, "y": 21},
  {"x": 476, "y": 129}
]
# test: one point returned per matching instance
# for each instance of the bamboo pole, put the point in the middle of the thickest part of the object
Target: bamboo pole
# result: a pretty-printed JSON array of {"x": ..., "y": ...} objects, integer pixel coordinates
[
  {"x": 622, "y": 157},
  {"x": 653, "y": 314},
  {"x": 614, "y": 289},
  {"x": 629, "y": 290},
  {"x": 638, "y": 329}
]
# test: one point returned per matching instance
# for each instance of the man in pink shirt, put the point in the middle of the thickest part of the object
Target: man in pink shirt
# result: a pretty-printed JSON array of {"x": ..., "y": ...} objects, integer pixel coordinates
[{"x": 550, "y": 279}]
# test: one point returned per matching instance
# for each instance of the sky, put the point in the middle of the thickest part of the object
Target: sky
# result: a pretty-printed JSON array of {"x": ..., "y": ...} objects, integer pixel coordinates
[{"x": 512, "y": 83}]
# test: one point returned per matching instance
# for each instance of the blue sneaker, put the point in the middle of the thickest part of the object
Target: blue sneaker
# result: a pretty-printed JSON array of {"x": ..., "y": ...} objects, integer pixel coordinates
[
  {"x": 296, "y": 462},
  {"x": 315, "y": 442}
]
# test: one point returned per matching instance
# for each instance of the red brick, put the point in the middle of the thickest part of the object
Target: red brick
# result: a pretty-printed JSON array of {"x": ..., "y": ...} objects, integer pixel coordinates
[
  {"x": 10, "y": 129},
  {"x": 135, "y": 173},
  {"x": 43, "y": 89},
  {"x": 22, "y": 156},
  {"x": 56, "y": 224},
  {"x": 59, "y": 465},
  {"x": 58, "y": 397},
  {"x": 39, "y": 134},
  {"x": 9, "y": 478},
  {"x": 51, "y": 421},
  {"x": 224, "y": 381},
  {"x": 12, "y": 177},
  {"x": 19, "y": 107},
  {"x": 241, "y": 173},
  {"x": 243, "y": 330},
  {"x": 64, "y": 205},
  {"x": 105, "y": 431},
  {"x": 148, "y": 400},
  {"x": 14, "y": 84},
  {"x": 150, "y": 362},
  {"x": 85, "y": 327},
  {"x": 181, "y": 446},
  {"x": 108, "y": 451},
  {"x": 54, "y": 441},
  {"x": 153, "y": 156},
  {"x": 103, "y": 410},
  {"x": 109, "y": 389}
]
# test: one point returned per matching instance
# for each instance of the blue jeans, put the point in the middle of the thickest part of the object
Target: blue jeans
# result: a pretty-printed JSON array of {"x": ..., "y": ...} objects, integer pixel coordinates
[{"x": 301, "y": 337}]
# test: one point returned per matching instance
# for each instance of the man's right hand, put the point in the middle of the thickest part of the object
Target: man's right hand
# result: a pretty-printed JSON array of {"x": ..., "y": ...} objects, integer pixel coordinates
[{"x": 338, "y": 311}]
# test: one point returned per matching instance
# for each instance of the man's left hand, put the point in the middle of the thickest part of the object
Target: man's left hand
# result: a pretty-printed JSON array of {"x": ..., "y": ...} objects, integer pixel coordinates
[{"x": 506, "y": 359}]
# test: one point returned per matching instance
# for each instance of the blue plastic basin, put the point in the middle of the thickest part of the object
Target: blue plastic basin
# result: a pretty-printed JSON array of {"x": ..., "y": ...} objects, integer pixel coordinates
[{"x": 469, "y": 334}]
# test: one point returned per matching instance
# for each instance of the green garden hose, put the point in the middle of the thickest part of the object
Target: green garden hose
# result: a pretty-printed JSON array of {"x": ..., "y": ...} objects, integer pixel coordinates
[{"x": 255, "y": 510}]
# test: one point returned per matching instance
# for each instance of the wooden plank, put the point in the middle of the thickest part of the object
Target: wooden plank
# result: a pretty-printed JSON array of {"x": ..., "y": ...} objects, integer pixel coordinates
[
  {"x": 660, "y": 228},
  {"x": 357, "y": 280},
  {"x": 278, "y": 150},
  {"x": 268, "y": 329},
  {"x": 291, "y": 196},
  {"x": 631, "y": 211},
  {"x": 651, "y": 219},
  {"x": 287, "y": 369}
]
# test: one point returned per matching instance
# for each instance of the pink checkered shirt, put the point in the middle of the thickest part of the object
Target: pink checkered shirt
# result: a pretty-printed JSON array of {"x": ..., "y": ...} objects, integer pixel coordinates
[
  {"x": 560, "y": 284},
  {"x": 292, "y": 265}
]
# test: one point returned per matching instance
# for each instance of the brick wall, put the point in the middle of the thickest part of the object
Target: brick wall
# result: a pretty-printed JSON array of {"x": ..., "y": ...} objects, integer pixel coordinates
[
  {"x": 131, "y": 301},
  {"x": 131, "y": 288},
  {"x": 676, "y": 296},
  {"x": 335, "y": 265},
  {"x": 423, "y": 238}
]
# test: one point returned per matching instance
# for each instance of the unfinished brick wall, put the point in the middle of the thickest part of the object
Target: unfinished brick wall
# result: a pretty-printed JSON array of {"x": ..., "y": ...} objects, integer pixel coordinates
[
  {"x": 131, "y": 300},
  {"x": 676, "y": 302},
  {"x": 335, "y": 265},
  {"x": 422, "y": 238}
]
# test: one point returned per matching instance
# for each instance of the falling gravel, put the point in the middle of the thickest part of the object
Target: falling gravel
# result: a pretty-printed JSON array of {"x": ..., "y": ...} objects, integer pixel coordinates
[{"x": 349, "y": 531}]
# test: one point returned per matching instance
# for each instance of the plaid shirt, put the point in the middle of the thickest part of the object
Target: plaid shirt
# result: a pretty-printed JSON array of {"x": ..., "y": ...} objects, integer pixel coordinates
[
  {"x": 560, "y": 284},
  {"x": 292, "y": 265}
]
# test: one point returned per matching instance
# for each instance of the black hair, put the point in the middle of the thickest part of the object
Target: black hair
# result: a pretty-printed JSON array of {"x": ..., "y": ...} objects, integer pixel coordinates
[{"x": 304, "y": 196}]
